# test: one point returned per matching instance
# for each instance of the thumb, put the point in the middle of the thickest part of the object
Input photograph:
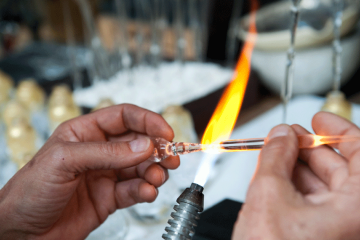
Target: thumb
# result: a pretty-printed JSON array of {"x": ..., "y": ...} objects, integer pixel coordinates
[
  {"x": 279, "y": 155},
  {"x": 271, "y": 188},
  {"x": 81, "y": 156}
]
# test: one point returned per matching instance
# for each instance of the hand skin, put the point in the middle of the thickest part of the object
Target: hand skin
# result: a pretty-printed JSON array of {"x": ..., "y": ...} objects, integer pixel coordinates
[
  {"x": 316, "y": 198},
  {"x": 89, "y": 167}
]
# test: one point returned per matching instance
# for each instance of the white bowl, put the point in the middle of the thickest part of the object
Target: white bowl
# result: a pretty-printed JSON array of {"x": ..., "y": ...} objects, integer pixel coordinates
[
  {"x": 313, "y": 57},
  {"x": 313, "y": 67},
  {"x": 273, "y": 24}
]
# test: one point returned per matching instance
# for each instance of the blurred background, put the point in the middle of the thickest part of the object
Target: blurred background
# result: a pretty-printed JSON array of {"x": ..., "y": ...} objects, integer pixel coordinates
[
  {"x": 83, "y": 42},
  {"x": 63, "y": 58}
]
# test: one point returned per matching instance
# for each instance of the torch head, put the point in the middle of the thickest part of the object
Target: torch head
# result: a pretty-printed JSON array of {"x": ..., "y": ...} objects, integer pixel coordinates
[
  {"x": 193, "y": 196},
  {"x": 184, "y": 219}
]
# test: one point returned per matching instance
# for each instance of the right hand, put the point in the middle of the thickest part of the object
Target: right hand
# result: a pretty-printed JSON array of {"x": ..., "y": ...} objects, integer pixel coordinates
[{"x": 318, "y": 198}]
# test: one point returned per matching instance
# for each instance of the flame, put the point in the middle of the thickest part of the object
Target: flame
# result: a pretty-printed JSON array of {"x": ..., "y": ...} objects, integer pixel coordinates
[{"x": 224, "y": 117}]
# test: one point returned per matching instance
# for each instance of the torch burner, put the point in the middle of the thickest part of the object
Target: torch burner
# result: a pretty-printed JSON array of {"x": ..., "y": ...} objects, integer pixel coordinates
[{"x": 184, "y": 219}]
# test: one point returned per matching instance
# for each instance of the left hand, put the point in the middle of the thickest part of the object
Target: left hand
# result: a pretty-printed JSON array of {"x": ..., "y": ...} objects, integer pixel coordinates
[{"x": 90, "y": 166}]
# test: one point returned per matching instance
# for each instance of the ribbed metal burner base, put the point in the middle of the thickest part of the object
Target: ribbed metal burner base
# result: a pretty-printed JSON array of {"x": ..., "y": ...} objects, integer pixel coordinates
[{"x": 184, "y": 219}]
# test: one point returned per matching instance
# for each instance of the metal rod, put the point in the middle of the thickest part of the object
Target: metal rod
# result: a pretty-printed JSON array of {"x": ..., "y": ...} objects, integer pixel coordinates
[
  {"x": 204, "y": 19},
  {"x": 100, "y": 59},
  {"x": 140, "y": 32},
  {"x": 179, "y": 29},
  {"x": 286, "y": 91},
  {"x": 231, "y": 40},
  {"x": 155, "y": 21},
  {"x": 123, "y": 36},
  {"x": 196, "y": 31},
  {"x": 337, "y": 49},
  {"x": 71, "y": 46}
]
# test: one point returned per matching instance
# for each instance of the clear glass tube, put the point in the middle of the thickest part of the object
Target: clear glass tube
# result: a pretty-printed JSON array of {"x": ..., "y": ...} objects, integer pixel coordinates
[{"x": 164, "y": 149}]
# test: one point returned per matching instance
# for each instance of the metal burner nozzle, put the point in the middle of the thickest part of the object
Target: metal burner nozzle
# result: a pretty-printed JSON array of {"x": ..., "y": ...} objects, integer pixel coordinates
[{"x": 184, "y": 219}]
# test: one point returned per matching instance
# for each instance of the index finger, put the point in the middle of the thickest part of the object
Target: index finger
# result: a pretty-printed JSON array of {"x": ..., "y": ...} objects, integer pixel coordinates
[
  {"x": 328, "y": 165},
  {"x": 325, "y": 123},
  {"x": 121, "y": 118}
]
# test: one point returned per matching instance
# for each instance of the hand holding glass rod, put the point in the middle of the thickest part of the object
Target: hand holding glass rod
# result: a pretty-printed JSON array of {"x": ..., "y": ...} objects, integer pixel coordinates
[{"x": 164, "y": 149}]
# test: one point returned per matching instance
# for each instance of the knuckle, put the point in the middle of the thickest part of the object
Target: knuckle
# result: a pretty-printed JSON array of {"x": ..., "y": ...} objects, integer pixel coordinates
[
  {"x": 63, "y": 128},
  {"x": 63, "y": 124},
  {"x": 337, "y": 169},
  {"x": 119, "y": 114},
  {"x": 55, "y": 155},
  {"x": 157, "y": 115},
  {"x": 60, "y": 128},
  {"x": 66, "y": 124},
  {"x": 112, "y": 148},
  {"x": 155, "y": 175},
  {"x": 127, "y": 107},
  {"x": 327, "y": 173},
  {"x": 60, "y": 150}
]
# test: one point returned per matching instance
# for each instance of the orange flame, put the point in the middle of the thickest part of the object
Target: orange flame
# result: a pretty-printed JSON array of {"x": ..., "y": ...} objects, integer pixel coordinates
[{"x": 224, "y": 117}]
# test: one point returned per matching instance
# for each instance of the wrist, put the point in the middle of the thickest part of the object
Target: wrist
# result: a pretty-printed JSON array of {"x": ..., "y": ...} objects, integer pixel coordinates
[
  {"x": 8, "y": 225},
  {"x": 4, "y": 229}
]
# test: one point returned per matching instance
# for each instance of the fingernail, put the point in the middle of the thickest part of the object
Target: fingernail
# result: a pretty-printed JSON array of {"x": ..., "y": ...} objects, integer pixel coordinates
[
  {"x": 140, "y": 144},
  {"x": 279, "y": 131}
]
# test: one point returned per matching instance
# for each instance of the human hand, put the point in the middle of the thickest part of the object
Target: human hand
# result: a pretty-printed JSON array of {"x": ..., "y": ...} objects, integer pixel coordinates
[
  {"x": 318, "y": 198},
  {"x": 90, "y": 166}
]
